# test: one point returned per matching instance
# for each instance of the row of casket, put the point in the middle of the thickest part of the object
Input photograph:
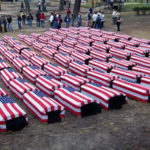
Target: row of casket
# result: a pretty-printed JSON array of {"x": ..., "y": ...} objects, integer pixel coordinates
[{"x": 12, "y": 116}]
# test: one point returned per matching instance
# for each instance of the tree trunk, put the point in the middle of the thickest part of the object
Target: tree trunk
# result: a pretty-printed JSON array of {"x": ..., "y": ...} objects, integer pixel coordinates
[
  {"x": 43, "y": 1},
  {"x": 76, "y": 8},
  {"x": 61, "y": 5},
  {"x": 27, "y": 6}
]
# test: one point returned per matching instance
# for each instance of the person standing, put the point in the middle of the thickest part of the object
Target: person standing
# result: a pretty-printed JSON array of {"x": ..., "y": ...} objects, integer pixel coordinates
[
  {"x": 30, "y": 18},
  {"x": 39, "y": 6},
  {"x": 42, "y": 20},
  {"x": 114, "y": 16},
  {"x": 38, "y": 18},
  {"x": 94, "y": 17},
  {"x": 59, "y": 21},
  {"x": 45, "y": 4},
  {"x": 98, "y": 22},
  {"x": 88, "y": 19},
  {"x": 91, "y": 10},
  {"x": 79, "y": 20},
  {"x": 72, "y": 20},
  {"x": 102, "y": 19},
  {"x": 5, "y": 24},
  {"x": 51, "y": 20},
  {"x": 68, "y": 11},
  {"x": 1, "y": 29},
  {"x": 67, "y": 21},
  {"x": 19, "y": 21},
  {"x": 118, "y": 22},
  {"x": 23, "y": 18},
  {"x": 9, "y": 20}
]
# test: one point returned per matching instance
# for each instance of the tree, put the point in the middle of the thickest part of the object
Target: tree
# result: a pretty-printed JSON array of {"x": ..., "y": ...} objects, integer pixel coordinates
[
  {"x": 61, "y": 5},
  {"x": 27, "y": 6},
  {"x": 43, "y": 1},
  {"x": 76, "y": 8}
]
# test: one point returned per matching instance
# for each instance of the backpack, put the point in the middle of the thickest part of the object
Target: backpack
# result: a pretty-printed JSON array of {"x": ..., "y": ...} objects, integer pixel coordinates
[{"x": 98, "y": 20}]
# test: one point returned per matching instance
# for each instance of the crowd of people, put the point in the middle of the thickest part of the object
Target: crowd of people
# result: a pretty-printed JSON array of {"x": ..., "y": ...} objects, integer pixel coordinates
[{"x": 92, "y": 19}]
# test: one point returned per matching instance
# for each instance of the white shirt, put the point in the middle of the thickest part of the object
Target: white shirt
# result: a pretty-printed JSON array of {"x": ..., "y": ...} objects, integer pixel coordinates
[
  {"x": 51, "y": 18},
  {"x": 94, "y": 17}
]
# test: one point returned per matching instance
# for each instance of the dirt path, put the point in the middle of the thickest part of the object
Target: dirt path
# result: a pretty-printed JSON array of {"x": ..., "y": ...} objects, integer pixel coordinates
[{"x": 125, "y": 129}]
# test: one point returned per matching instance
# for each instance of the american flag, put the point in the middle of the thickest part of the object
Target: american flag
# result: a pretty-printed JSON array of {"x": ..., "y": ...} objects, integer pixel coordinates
[
  {"x": 102, "y": 56},
  {"x": 98, "y": 39},
  {"x": 54, "y": 44},
  {"x": 104, "y": 79},
  {"x": 132, "y": 90},
  {"x": 35, "y": 35},
  {"x": 85, "y": 35},
  {"x": 29, "y": 40},
  {"x": 100, "y": 46},
  {"x": 144, "y": 46},
  {"x": 48, "y": 85},
  {"x": 10, "y": 110},
  {"x": 49, "y": 34},
  {"x": 2, "y": 42},
  {"x": 4, "y": 48},
  {"x": 20, "y": 86},
  {"x": 38, "y": 45},
  {"x": 53, "y": 30},
  {"x": 116, "y": 44},
  {"x": 144, "y": 41},
  {"x": 100, "y": 66},
  {"x": 1, "y": 58},
  {"x": 73, "y": 100},
  {"x": 43, "y": 39},
  {"x": 10, "y": 55},
  {"x": 122, "y": 64},
  {"x": 54, "y": 70},
  {"x": 20, "y": 62},
  {"x": 107, "y": 33},
  {"x": 129, "y": 43},
  {"x": 12, "y": 41},
  {"x": 6, "y": 38},
  {"x": 108, "y": 98},
  {"x": 141, "y": 61},
  {"x": 66, "y": 50},
  {"x": 39, "y": 61},
  {"x": 85, "y": 41},
  {"x": 144, "y": 71},
  {"x": 27, "y": 54},
  {"x": 83, "y": 48},
  {"x": 63, "y": 59},
  {"x": 49, "y": 52},
  {"x": 18, "y": 47},
  {"x": 58, "y": 38},
  {"x": 127, "y": 75},
  {"x": 32, "y": 72},
  {"x": 3, "y": 92},
  {"x": 3, "y": 65},
  {"x": 79, "y": 68},
  {"x": 123, "y": 36},
  {"x": 9, "y": 74},
  {"x": 96, "y": 34},
  {"x": 115, "y": 52},
  {"x": 74, "y": 81},
  {"x": 22, "y": 36},
  {"x": 145, "y": 81},
  {"x": 41, "y": 105},
  {"x": 81, "y": 57},
  {"x": 73, "y": 35},
  {"x": 109, "y": 37},
  {"x": 137, "y": 51}
]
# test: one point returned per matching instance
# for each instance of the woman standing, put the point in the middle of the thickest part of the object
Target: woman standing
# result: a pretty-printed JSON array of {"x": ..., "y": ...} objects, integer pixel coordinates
[
  {"x": 79, "y": 20},
  {"x": 119, "y": 20},
  {"x": 42, "y": 20}
]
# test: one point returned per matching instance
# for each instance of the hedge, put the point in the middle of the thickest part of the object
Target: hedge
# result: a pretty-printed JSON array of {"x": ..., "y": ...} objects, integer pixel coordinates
[{"x": 142, "y": 10}]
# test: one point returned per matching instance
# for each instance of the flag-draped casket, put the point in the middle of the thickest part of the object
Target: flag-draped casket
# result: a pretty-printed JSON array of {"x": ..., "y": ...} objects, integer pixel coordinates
[
  {"x": 10, "y": 55},
  {"x": 108, "y": 98},
  {"x": 20, "y": 62},
  {"x": 104, "y": 79},
  {"x": 9, "y": 74},
  {"x": 74, "y": 81},
  {"x": 76, "y": 102},
  {"x": 132, "y": 90},
  {"x": 48, "y": 85},
  {"x": 32, "y": 72},
  {"x": 54, "y": 70},
  {"x": 79, "y": 68},
  {"x": 20, "y": 86},
  {"x": 3, "y": 65},
  {"x": 12, "y": 116},
  {"x": 66, "y": 50},
  {"x": 43, "y": 107}
]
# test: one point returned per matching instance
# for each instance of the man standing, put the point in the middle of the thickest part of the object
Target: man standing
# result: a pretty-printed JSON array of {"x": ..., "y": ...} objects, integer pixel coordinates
[
  {"x": 94, "y": 18},
  {"x": 9, "y": 20}
]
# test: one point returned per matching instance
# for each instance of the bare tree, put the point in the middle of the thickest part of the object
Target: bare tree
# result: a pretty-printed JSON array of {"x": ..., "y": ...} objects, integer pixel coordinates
[
  {"x": 76, "y": 9},
  {"x": 27, "y": 6},
  {"x": 43, "y": 1},
  {"x": 61, "y": 5}
]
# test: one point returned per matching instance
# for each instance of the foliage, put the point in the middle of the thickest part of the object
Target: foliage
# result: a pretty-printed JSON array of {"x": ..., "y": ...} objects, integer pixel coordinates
[{"x": 144, "y": 10}]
